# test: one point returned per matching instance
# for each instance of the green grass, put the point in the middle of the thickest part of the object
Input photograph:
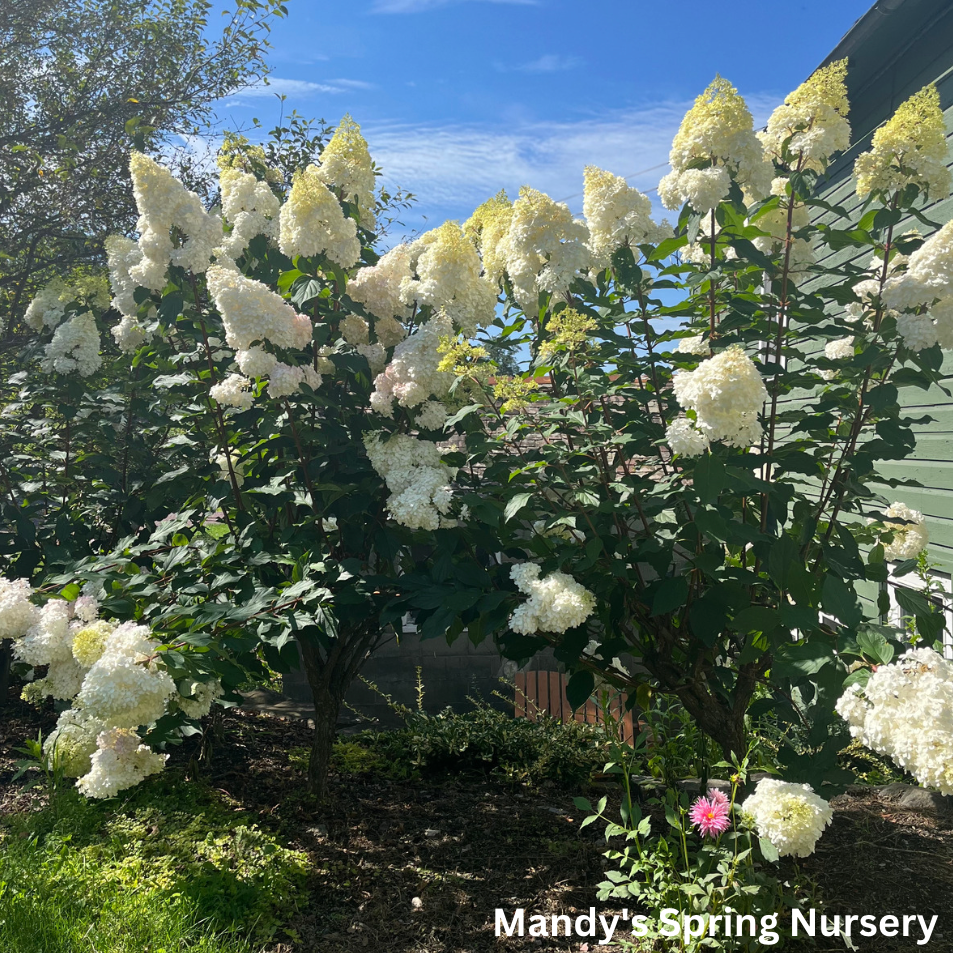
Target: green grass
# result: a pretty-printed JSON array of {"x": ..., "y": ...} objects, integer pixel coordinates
[{"x": 169, "y": 869}]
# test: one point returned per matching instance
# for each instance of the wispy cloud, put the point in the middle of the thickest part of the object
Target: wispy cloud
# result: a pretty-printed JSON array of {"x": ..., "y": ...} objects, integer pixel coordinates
[
  {"x": 276, "y": 86},
  {"x": 422, "y": 6},
  {"x": 549, "y": 63},
  {"x": 297, "y": 89},
  {"x": 454, "y": 168},
  {"x": 352, "y": 83}
]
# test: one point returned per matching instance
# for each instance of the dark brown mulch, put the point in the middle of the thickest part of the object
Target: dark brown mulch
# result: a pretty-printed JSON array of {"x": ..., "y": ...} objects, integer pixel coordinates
[{"x": 420, "y": 866}]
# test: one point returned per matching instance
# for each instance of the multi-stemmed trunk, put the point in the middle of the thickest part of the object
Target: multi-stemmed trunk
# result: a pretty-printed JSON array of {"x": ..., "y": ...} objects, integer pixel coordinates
[
  {"x": 330, "y": 672},
  {"x": 720, "y": 717}
]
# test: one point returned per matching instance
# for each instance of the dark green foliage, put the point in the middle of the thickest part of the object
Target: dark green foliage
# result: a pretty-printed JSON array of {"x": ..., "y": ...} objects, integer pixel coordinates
[{"x": 485, "y": 740}]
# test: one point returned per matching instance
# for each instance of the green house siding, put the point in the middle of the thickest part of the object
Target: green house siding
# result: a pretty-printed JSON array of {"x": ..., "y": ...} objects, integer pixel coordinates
[{"x": 895, "y": 49}]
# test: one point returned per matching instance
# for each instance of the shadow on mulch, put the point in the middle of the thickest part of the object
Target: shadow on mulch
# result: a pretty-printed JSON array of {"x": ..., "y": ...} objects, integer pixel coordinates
[{"x": 420, "y": 866}]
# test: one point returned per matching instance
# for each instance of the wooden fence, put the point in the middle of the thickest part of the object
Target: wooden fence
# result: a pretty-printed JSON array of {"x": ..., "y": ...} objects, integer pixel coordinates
[{"x": 546, "y": 692}]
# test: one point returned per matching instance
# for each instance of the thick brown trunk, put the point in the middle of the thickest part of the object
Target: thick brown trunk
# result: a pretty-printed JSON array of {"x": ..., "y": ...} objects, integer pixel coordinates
[
  {"x": 322, "y": 744},
  {"x": 724, "y": 724},
  {"x": 6, "y": 659},
  {"x": 329, "y": 675}
]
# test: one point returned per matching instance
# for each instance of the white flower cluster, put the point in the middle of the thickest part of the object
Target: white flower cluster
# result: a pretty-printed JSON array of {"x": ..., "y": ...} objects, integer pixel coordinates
[
  {"x": 717, "y": 130},
  {"x": 909, "y": 148},
  {"x": 17, "y": 613},
  {"x": 200, "y": 698},
  {"x": 487, "y": 228},
  {"x": 73, "y": 347},
  {"x": 905, "y": 711},
  {"x": 347, "y": 167},
  {"x": 128, "y": 335},
  {"x": 354, "y": 329},
  {"x": 312, "y": 222},
  {"x": 255, "y": 361},
  {"x": 252, "y": 312},
  {"x": 811, "y": 120},
  {"x": 374, "y": 354},
  {"x": 120, "y": 761},
  {"x": 233, "y": 391},
  {"x": 448, "y": 279},
  {"x": 616, "y": 215},
  {"x": 284, "y": 379},
  {"x": 113, "y": 675},
  {"x": 839, "y": 350},
  {"x": 432, "y": 415},
  {"x": 556, "y": 602},
  {"x": 412, "y": 375},
  {"x": 416, "y": 477},
  {"x": 696, "y": 344},
  {"x": 122, "y": 255},
  {"x": 48, "y": 308},
  {"x": 684, "y": 439},
  {"x": 918, "y": 331},
  {"x": 127, "y": 687},
  {"x": 378, "y": 287},
  {"x": 250, "y": 206},
  {"x": 910, "y": 537},
  {"x": 544, "y": 248},
  {"x": 726, "y": 392},
  {"x": 929, "y": 273},
  {"x": 165, "y": 203},
  {"x": 791, "y": 816}
]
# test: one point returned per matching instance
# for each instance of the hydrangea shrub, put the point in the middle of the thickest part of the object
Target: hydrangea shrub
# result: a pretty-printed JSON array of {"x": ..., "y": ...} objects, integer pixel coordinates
[{"x": 684, "y": 470}]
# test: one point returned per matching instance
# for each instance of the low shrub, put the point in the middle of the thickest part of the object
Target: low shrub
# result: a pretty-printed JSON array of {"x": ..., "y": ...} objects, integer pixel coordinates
[{"x": 484, "y": 739}]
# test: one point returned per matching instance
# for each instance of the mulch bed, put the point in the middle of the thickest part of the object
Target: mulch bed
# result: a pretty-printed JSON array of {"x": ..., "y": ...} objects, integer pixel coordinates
[{"x": 420, "y": 866}]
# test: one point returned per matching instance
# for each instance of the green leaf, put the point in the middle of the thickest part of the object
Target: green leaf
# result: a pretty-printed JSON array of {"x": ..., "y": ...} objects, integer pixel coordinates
[
  {"x": 840, "y": 600},
  {"x": 768, "y": 851},
  {"x": 874, "y": 647},
  {"x": 671, "y": 594},
  {"x": 709, "y": 478},
  {"x": 579, "y": 688},
  {"x": 515, "y": 503}
]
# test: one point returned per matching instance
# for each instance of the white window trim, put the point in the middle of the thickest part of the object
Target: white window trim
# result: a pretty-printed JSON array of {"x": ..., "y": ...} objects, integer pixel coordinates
[{"x": 894, "y": 614}]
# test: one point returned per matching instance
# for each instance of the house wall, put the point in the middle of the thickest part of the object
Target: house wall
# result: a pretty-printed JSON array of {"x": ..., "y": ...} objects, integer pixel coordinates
[{"x": 898, "y": 47}]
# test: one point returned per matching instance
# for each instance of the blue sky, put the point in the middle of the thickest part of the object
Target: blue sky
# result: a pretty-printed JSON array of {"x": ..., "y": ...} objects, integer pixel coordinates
[{"x": 459, "y": 98}]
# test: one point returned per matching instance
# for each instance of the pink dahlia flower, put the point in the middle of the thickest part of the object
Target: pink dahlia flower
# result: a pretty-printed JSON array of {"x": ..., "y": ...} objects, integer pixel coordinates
[
  {"x": 717, "y": 797},
  {"x": 711, "y": 814}
]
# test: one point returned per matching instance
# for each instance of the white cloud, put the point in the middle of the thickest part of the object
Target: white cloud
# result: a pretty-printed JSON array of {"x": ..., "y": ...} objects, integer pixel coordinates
[
  {"x": 453, "y": 168},
  {"x": 277, "y": 86},
  {"x": 352, "y": 83},
  {"x": 422, "y": 6},
  {"x": 549, "y": 63}
]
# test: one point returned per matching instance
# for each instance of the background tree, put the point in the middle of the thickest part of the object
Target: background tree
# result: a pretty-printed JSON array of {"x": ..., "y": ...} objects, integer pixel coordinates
[{"x": 81, "y": 82}]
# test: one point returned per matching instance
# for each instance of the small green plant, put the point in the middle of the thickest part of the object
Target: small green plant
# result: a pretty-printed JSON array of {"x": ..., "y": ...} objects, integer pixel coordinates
[
  {"x": 679, "y": 869},
  {"x": 869, "y": 767},
  {"x": 37, "y": 761},
  {"x": 676, "y": 747}
]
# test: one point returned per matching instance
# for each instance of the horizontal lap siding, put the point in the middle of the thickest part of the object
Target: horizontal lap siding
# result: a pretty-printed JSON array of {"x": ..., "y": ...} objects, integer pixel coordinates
[{"x": 926, "y": 56}]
